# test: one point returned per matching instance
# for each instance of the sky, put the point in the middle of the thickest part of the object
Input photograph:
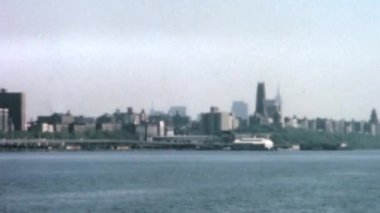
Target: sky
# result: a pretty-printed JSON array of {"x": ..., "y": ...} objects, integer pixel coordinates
[{"x": 95, "y": 56}]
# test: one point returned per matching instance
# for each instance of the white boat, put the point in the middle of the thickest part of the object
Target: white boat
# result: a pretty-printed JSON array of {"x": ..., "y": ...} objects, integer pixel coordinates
[{"x": 267, "y": 143}]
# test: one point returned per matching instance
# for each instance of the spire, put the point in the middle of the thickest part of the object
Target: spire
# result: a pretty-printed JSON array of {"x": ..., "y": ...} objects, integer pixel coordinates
[
  {"x": 152, "y": 108},
  {"x": 278, "y": 96},
  {"x": 279, "y": 99}
]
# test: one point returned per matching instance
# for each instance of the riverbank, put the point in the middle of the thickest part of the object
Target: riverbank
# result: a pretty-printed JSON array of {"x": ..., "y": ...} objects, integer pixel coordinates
[
  {"x": 116, "y": 145},
  {"x": 125, "y": 145}
]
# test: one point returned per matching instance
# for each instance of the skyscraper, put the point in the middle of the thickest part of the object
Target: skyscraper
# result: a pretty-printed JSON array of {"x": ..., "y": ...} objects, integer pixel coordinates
[
  {"x": 279, "y": 100},
  {"x": 274, "y": 106},
  {"x": 15, "y": 103},
  {"x": 373, "y": 119},
  {"x": 260, "y": 100},
  {"x": 240, "y": 109},
  {"x": 267, "y": 111}
]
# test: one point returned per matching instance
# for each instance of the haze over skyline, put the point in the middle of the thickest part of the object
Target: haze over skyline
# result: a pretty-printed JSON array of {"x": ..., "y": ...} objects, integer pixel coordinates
[{"x": 92, "y": 56}]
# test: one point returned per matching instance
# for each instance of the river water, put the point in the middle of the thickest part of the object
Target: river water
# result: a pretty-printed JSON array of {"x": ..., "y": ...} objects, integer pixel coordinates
[{"x": 190, "y": 181}]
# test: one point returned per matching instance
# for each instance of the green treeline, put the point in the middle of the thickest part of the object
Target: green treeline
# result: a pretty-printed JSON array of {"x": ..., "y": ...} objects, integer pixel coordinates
[{"x": 316, "y": 139}]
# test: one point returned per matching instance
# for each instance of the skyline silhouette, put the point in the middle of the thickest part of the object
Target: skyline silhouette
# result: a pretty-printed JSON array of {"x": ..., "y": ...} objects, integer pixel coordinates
[{"x": 92, "y": 57}]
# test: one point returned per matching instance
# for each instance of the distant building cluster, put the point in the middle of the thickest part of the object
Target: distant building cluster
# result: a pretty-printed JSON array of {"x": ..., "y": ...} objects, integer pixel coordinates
[
  {"x": 336, "y": 126},
  {"x": 140, "y": 124},
  {"x": 175, "y": 122},
  {"x": 62, "y": 123}
]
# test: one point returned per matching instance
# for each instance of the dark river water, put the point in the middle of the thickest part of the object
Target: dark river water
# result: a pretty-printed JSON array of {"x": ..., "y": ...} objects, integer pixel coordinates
[{"x": 190, "y": 181}]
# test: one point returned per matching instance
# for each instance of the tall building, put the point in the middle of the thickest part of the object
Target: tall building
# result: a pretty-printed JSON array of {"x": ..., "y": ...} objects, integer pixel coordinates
[
  {"x": 215, "y": 122},
  {"x": 15, "y": 103},
  {"x": 240, "y": 109},
  {"x": 4, "y": 121},
  {"x": 131, "y": 117},
  {"x": 279, "y": 100},
  {"x": 274, "y": 107},
  {"x": 260, "y": 116},
  {"x": 267, "y": 111},
  {"x": 373, "y": 119},
  {"x": 260, "y": 100}
]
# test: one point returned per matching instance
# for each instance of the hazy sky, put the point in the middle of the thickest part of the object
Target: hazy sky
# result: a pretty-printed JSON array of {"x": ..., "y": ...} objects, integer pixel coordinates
[{"x": 93, "y": 56}]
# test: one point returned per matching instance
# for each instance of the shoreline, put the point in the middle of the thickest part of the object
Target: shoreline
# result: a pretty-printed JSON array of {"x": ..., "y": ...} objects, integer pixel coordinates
[{"x": 54, "y": 145}]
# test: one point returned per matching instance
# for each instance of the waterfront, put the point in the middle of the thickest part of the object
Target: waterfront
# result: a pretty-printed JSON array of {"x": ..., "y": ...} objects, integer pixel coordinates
[{"x": 190, "y": 181}]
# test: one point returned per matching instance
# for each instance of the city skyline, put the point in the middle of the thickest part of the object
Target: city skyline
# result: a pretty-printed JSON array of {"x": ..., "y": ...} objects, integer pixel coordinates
[
  {"x": 235, "y": 110},
  {"x": 93, "y": 57}
]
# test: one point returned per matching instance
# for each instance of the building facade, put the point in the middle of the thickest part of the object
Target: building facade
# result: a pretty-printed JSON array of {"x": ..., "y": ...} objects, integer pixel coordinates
[
  {"x": 268, "y": 111},
  {"x": 15, "y": 103},
  {"x": 215, "y": 122},
  {"x": 4, "y": 120},
  {"x": 240, "y": 109},
  {"x": 260, "y": 100}
]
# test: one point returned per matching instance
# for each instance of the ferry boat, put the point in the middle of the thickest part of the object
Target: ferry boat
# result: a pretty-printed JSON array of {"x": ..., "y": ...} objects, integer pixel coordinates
[{"x": 264, "y": 142}]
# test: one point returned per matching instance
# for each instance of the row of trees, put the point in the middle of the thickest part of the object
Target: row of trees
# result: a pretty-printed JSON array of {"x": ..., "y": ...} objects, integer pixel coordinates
[{"x": 315, "y": 139}]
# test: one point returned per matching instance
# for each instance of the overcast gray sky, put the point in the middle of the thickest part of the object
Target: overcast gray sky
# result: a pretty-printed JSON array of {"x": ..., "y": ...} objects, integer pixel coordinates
[{"x": 93, "y": 56}]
